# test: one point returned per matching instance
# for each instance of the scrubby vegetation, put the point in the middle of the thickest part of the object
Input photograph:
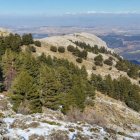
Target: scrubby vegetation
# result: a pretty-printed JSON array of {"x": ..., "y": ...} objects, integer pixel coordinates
[
  {"x": 36, "y": 82},
  {"x": 98, "y": 60},
  {"x": 94, "y": 49},
  {"x": 61, "y": 49},
  {"x": 31, "y": 49},
  {"x": 76, "y": 52},
  {"x": 53, "y": 49},
  {"x": 70, "y": 48},
  {"x": 108, "y": 62},
  {"x": 37, "y": 43},
  {"x": 79, "y": 60}
]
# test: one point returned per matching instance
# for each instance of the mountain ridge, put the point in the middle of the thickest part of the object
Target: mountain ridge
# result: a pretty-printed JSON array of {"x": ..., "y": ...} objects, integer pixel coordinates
[{"x": 65, "y": 40}]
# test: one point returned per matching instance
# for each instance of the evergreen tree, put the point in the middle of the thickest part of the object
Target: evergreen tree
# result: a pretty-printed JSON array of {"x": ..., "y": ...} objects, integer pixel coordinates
[
  {"x": 65, "y": 79},
  {"x": 8, "y": 68},
  {"x": 83, "y": 72},
  {"x": 133, "y": 72},
  {"x": 49, "y": 88},
  {"x": 27, "y": 39},
  {"x": 79, "y": 92},
  {"x": 30, "y": 64},
  {"x": 109, "y": 87},
  {"x": 24, "y": 91}
]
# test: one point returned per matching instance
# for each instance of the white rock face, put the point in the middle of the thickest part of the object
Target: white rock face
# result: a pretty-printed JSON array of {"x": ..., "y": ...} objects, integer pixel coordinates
[{"x": 69, "y": 39}]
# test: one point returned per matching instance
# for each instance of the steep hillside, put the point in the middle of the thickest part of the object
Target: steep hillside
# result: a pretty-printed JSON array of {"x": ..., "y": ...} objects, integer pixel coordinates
[
  {"x": 109, "y": 119},
  {"x": 86, "y": 38},
  {"x": 66, "y": 87}
]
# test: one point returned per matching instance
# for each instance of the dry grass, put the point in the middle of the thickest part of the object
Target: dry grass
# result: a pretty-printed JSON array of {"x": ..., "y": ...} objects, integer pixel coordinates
[
  {"x": 107, "y": 112},
  {"x": 89, "y": 115},
  {"x": 89, "y": 63}
]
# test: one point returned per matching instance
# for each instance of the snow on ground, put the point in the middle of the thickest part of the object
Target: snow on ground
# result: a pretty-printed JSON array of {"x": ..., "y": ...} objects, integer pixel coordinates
[
  {"x": 21, "y": 127},
  {"x": 51, "y": 123},
  {"x": 44, "y": 128}
]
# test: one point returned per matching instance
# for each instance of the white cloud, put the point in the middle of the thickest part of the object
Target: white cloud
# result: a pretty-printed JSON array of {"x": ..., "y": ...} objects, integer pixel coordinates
[{"x": 103, "y": 12}]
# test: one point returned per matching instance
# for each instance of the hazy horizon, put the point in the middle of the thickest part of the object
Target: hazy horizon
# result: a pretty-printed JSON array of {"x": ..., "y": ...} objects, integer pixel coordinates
[
  {"x": 83, "y": 20},
  {"x": 82, "y": 13}
]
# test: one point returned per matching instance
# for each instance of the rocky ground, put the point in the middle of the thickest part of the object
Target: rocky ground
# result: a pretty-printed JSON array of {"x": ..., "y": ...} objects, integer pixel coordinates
[{"x": 52, "y": 125}]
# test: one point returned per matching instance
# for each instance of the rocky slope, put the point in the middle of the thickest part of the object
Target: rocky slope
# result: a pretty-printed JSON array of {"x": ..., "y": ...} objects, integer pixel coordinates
[{"x": 52, "y": 125}]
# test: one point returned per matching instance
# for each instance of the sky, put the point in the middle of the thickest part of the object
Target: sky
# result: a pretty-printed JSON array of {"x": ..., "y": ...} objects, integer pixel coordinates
[
  {"x": 69, "y": 12},
  {"x": 62, "y": 7}
]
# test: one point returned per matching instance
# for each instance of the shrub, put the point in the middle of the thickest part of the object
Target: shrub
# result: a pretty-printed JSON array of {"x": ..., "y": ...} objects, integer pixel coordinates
[
  {"x": 37, "y": 43},
  {"x": 83, "y": 54},
  {"x": 97, "y": 63},
  {"x": 99, "y": 58},
  {"x": 1, "y": 115},
  {"x": 79, "y": 60},
  {"x": 61, "y": 49},
  {"x": 108, "y": 62},
  {"x": 94, "y": 67},
  {"x": 51, "y": 122},
  {"x": 53, "y": 49},
  {"x": 32, "y": 48},
  {"x": 111, "y": 58},
  {"x": 71, "y": 130},
  {"x": 110, "y": 68},
  {"x": 133, "y": 72},
  {"x": 122, "y": 66},
  {"x": 70, "y": 48},
  {"x": 1, "y": 87},
  {"x": 74, "y": 115}
]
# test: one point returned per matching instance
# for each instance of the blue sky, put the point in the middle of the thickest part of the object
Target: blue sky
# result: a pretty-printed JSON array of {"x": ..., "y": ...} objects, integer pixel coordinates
[{"x": 61, "y": 7}]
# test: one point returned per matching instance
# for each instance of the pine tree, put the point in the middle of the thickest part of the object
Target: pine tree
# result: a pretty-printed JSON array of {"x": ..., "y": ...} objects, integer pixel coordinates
[
  {"x": 24, "y": 91},
  {"x": 65, "y": 79},
  {"x": 8, "y": 67},
  {"x": 27, "y": 39},
  {"x": 30, "y": 64},
  {"x": 79, "y": 92},
  {"x": 83, "y": 72},
  {"x": 49, "y": 88},
  {"x": 109, "y": 87},
  {"x": 133, "y": 72}
]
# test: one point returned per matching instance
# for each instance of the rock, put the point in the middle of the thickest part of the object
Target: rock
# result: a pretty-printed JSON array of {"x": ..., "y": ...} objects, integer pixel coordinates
[
  {"x": 23, "y": 124},
  {"x": 1, "y": 137},
  {"x": 59, "y": 135},
  {"x": 79, "y": 136},
  {"x": 36, "y": 137},
  {"x": 1, "y": 121}
]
